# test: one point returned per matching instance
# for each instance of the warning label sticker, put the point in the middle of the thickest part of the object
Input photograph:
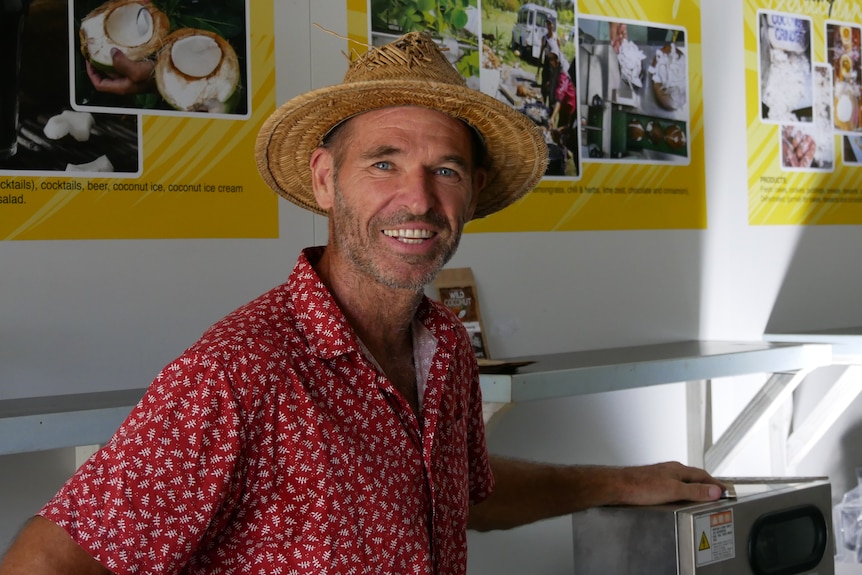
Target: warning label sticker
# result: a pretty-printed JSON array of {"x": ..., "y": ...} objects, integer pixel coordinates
[{"x": 713, "y": 537}]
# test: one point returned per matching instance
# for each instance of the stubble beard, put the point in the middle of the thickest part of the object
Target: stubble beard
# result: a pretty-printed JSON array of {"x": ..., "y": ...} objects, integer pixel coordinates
[{"x": 358, "y": 247}]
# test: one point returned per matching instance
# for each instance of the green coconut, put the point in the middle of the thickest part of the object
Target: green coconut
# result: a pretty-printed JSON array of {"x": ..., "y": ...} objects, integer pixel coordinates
[
  {"x": 198, "y": 71},
  {"x": 138, "y": 29}
]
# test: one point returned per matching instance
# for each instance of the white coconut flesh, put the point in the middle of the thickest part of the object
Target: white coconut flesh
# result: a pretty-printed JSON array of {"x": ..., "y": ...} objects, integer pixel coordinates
[
  {"x": 126, "y": 27},
  {"x": 196, "y": 56},
  {"x": 129, "y": 25},
  {"x": 200, "y": 77}
]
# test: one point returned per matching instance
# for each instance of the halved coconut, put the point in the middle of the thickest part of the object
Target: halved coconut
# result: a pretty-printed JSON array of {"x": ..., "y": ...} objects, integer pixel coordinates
[
  {"x": 198, "y": 71},
  {"x": 135, "y": 27}
]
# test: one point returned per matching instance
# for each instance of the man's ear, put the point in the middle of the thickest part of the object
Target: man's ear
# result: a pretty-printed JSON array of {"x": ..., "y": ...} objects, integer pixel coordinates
[
  {"x": 480, "y": 178},
  {"x": 322, "y": 165}
]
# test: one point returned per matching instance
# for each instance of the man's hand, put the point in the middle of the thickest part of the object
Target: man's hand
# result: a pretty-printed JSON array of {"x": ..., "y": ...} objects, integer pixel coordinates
[
  {"x": 618, "y": 33},
  {"x": 666, "y": 483},
  {"x": 131, "y": 77}
]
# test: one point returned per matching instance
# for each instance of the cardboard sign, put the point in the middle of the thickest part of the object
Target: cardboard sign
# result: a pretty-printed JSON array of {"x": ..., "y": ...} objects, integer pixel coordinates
[{"x": 457, "y": 291}]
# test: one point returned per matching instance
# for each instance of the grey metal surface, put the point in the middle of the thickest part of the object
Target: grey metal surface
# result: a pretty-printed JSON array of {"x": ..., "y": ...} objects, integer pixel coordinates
[
  {"x": 39, "y": 423},
  {"x": 660, "y": 540},
  {"x": 596, "y": 371},
  {"x": 846, "y": 341},
  {"x": 29, "y": 424},
  {"x": 618, "y": 540}
]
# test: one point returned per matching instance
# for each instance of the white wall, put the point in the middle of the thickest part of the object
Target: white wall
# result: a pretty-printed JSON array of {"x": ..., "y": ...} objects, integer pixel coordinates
[{"x": 101, "y": 305}]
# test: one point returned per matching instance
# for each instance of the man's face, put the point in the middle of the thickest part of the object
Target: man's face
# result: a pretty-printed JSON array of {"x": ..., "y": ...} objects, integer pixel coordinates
[{"x": 399, "y": 184}]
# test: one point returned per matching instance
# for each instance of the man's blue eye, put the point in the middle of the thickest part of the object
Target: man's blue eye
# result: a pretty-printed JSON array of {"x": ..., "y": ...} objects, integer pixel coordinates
[{"x": 382, "y": 165}]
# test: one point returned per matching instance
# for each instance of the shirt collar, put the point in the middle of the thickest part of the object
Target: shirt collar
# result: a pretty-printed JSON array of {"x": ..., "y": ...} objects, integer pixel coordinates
[{"x": 321, "y": 320}]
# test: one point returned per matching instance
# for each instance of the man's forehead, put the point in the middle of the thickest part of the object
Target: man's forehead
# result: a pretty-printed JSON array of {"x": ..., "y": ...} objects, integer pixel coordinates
[
  {"x": 477, "y": 141},
  {"x": 407, "y": 110},
  {"x": 376, "y": 116}
]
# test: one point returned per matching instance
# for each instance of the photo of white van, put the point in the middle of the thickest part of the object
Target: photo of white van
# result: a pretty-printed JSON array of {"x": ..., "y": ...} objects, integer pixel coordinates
[{"x": 530, "y": 28}]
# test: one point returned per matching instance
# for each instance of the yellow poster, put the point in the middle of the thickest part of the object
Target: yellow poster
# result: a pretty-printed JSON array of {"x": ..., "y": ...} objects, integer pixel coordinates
[
  {"x": 616, "y": 87},
  {"x": 135, "y": 119},
  {"x": 803, "y": 75}
]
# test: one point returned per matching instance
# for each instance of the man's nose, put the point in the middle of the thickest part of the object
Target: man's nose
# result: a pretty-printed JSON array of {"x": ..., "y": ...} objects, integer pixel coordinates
[{"x": 418, "y": 193}]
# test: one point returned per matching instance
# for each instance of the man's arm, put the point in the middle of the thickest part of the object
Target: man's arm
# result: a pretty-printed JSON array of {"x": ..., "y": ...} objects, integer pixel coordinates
[
  {"x": 526, "y": 492},
  {"x": 44, "y": 548}
]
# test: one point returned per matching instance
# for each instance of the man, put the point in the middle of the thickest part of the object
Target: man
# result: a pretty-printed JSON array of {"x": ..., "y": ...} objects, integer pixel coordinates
[
  {"x": 550, "y": 43},
  {"x": 334, "y": 424},
  {"x": 565, "y": 100}
]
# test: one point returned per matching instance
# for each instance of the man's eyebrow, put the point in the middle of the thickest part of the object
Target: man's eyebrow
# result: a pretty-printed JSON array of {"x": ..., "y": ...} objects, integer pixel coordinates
[
  {"x": 387, "y": 150},
  {"x": 381, "y": 151},
  {"x": 457, "y": 159}
]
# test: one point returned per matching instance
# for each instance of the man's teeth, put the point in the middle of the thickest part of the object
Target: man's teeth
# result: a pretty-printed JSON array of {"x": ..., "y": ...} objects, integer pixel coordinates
[{"x": 409, "y": 236}]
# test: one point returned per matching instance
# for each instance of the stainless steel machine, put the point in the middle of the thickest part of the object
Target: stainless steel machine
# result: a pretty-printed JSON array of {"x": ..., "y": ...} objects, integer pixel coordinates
[{"x": 773, "y": 526}]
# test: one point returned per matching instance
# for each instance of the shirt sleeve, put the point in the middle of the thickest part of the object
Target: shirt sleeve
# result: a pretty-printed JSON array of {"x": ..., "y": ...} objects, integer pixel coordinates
[{"x": 160, "y": 487}]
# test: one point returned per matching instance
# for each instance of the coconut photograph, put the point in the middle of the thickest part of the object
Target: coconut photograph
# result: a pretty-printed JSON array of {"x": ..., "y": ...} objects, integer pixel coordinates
[
  {"x": 41, "y": 132},
  {"x": 165, "y": 56},
  {"x": 634, "y": 102}
]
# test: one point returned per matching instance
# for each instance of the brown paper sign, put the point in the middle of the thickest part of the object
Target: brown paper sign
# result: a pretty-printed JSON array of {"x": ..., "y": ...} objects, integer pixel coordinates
[{"x": 457, "y": 291}]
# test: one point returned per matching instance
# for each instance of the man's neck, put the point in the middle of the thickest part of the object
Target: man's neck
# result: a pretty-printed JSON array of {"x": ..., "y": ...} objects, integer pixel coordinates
[
  {"x": 383, "y": 320},
  {"x": 381, "y": 315}
]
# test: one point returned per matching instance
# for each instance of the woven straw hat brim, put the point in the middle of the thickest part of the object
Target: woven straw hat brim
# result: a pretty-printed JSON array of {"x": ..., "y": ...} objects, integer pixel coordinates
[{"x": 517, "y": 151}]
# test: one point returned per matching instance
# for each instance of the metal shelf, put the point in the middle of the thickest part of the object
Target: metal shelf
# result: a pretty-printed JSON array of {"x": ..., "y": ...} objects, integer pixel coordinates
[
  {"x": 846, "y": 341},
  {"x": 39, "y": 423},
  {"x": 598, "y": 371},
  {"x": 789, "y": 449},
  {"x": 694, "y": 362}
]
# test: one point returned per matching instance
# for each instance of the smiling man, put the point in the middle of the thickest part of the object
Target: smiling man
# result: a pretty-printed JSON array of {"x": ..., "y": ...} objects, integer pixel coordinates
[
  {"x": 399, "y": 184},
  {"x": 334, "y": 424}
]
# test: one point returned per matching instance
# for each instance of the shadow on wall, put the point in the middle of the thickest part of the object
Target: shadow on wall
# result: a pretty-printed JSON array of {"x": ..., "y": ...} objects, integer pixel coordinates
[
  {"x": 823, "y": 290},
  {"x": 839, "y": 451},
  {"x": 823, "y": 285}
]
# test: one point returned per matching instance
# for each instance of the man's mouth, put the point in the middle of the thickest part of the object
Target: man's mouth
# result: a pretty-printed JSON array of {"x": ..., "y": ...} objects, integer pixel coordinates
[{"x": 409, "y": 236}]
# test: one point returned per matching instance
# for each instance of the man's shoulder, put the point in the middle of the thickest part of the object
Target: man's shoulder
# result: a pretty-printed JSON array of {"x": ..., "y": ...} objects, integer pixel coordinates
[
  {"x": 272, "y": 314},
  {"x": 269, "y": 318},
  {"x": 247, "y": 349}
]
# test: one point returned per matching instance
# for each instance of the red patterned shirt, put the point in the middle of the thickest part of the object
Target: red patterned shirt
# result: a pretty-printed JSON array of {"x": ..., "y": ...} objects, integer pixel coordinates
[{"x": 272, "y": 445}]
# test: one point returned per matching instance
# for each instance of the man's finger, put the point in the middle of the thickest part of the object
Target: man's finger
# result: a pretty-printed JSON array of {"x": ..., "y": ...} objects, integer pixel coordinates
[
  {"x": 702, "y": 492},
  {"x": 133, "y": 70}
]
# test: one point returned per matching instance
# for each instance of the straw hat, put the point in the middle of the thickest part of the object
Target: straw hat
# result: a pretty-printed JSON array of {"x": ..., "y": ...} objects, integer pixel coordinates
[{"x": 410, "y": 71}]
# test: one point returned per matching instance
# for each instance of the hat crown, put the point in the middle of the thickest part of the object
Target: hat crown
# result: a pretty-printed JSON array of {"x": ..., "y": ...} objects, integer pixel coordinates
[
  {"x": 410, "y": 71},
  {"x": 413, "y": 57}
]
